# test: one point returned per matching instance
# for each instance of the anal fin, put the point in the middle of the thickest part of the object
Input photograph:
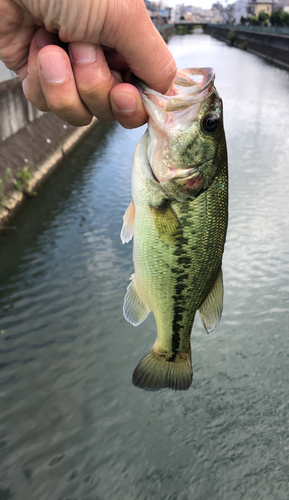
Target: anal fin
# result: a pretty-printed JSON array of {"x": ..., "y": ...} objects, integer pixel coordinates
[
  {"x": 211, "y": 309},
  {"x": 128, "y": 223},
  {"x": 134, "y": 309}
]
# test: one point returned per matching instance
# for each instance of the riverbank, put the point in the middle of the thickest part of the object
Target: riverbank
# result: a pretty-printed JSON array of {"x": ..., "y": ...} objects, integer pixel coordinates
[
  {"x": 31, "y": 146},
  {"x": 264, "y": 42},
  {"x": 32, "y": 143}
]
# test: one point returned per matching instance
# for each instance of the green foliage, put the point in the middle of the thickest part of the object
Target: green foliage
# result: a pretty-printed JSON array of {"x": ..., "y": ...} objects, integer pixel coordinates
[
  {"x": 23, "y": 178},
  {"x": 244, "y": 45},
  {"x": 9, "y": 175},
  {"x": 1, "y": 193},
  {"x": 254, "y": 21},
  {"x": 184, "y": 30},
  {"x": 243, "y": 20},
  {"x": 285, "y": 18},
  {"x": 275, "y": 18},
  {"x": 263, "y": 16},
  {"x": 280, "y": 18},
  {"x": 231, "y": 36}
]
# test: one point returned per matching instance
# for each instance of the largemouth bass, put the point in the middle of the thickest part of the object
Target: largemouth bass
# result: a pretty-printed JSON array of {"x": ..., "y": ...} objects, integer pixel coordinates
[{"x": 178, "y": 219}]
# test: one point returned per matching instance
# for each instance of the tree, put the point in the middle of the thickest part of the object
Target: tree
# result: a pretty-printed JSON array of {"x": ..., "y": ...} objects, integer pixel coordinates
[
  {"x": 254, "y": 21},
  {"x": 263, "y": 17},
  {"x": 275, "y": 18},
  {"x": 280, "y": 18},
  {"x": 285, "y": 18}
]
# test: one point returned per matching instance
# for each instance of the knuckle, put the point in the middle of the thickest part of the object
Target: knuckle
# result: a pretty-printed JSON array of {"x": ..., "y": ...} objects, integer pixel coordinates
[
  {"x": 96, "y": 90},
  {"x": 59, "y": 104}
]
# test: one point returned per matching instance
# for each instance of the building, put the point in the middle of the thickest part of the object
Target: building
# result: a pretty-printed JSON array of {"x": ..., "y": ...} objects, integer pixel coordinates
[
  {"x": 196, "y": 15},
  {"x": 256, "y": 6},
  {"x": 228, "y": 14},
  {"x": 153, "y": 10},
  {"x": 240, "y": 10},
  {"x": 281, "y": 5}
]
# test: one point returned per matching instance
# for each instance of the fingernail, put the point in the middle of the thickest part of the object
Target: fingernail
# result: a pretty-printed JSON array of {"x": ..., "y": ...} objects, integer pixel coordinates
[
  {"x": 124, "y": 103},
  {"x": 82, "y": 53},
  {"x": 53, "y": 67},
  {"x": 43, "y": 38}
]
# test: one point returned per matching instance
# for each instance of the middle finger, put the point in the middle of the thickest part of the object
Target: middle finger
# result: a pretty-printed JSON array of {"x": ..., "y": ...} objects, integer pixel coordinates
[{"x": 94, "y": 79}]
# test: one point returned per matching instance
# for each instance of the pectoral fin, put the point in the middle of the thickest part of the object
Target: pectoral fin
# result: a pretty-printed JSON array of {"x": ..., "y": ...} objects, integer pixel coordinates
[
  {"x": 128, "y": 224},
  {"x": 211, "y": 309},
  {"x": 166, "y": 222},
  {"x": 134, "y": 309}
]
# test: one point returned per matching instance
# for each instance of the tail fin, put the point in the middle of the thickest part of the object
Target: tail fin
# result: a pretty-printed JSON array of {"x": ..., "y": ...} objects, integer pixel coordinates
[{"x": 155, "y": 371}]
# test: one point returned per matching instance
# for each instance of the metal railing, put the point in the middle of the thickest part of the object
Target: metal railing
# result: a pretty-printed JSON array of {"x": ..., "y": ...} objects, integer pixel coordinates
[{"x": 273, "y": 30}]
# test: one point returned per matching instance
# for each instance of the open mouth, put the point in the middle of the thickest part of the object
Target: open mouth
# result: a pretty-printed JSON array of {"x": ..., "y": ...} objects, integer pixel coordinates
[{"x": 190, "y": 86}]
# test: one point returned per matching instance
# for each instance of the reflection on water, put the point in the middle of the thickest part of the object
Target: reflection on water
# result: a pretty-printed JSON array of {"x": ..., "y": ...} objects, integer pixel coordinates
[{"x": 72, "y": 426}]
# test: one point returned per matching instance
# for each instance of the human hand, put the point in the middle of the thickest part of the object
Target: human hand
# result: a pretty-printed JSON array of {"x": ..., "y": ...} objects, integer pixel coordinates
[{"x": 107, "y": 40}]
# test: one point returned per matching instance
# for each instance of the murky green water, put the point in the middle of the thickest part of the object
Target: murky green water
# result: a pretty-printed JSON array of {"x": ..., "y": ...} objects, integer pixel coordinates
[{"x": 72, "y": 426}]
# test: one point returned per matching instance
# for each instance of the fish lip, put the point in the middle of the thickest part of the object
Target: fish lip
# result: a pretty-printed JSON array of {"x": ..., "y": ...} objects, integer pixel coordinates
[{"x": 184, "y": 90}]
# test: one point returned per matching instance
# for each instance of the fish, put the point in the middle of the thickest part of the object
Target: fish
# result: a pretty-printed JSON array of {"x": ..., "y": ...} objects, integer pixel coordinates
[{"x": 178, "y": 220}]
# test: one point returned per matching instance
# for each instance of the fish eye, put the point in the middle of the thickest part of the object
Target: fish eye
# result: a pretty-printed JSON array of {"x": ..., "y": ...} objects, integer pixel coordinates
[{"x": 210, "y": 123}]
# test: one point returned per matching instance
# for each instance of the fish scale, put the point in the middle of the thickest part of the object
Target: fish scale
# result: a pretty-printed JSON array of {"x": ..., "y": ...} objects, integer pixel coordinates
[{"x": 178, "y": 218}]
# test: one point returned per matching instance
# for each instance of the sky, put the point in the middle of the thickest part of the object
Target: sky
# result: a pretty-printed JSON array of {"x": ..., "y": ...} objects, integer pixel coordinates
[{"x": 205, "y": 4}]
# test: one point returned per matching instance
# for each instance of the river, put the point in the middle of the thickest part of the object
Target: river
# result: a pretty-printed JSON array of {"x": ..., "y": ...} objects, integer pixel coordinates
[{"x": 72, "y": 426}]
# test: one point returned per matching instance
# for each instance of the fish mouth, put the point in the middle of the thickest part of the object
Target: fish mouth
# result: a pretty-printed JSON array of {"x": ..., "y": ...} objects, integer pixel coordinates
[
  {"x": 190, "y": 181},
  {"x": 189, "y": 86}
]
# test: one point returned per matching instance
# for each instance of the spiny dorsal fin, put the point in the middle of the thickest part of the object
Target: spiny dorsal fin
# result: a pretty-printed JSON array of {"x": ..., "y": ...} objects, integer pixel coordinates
[
  {"x": 128, "y": 224},
  {"x": 211, "y": 309},
  {"x": 156, "y": 371},
  {"x": 166, "y": 222},
  {"x": 134, "y": 309}
]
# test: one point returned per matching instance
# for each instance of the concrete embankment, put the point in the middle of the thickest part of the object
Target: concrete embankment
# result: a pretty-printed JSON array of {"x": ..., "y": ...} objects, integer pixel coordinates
[
  {"x": 32, "y": 143},
  {"x": 166, "y": 31},
  {"x": 270, "y": 45}
]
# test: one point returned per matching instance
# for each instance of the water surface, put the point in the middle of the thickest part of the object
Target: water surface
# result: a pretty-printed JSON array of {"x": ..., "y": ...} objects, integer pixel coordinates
[{"x": 72, "y": 426}]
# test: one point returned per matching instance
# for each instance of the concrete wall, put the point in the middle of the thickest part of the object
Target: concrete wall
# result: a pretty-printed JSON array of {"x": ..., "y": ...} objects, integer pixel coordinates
[
  {"x": 5, "y": 73},
  {"x": 32, "y": 143},
  {"x": 15, "y": 111},
  {"x": 271, "y": 46}
]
